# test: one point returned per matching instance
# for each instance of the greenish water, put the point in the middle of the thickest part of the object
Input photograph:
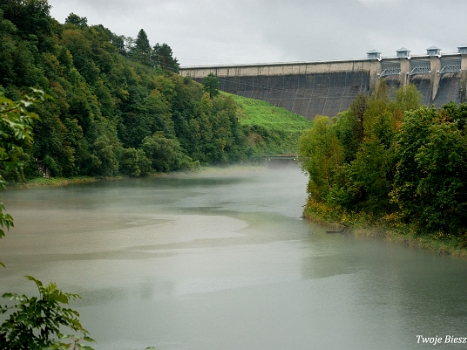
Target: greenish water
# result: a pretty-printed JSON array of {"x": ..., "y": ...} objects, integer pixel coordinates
[{"x": 223, "y": 260}]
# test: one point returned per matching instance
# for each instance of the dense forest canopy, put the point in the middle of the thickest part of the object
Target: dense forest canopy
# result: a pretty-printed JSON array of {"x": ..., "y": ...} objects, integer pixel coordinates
[
  {"x": 391, "y": 161},
  {"x": 114, "y": 104}
]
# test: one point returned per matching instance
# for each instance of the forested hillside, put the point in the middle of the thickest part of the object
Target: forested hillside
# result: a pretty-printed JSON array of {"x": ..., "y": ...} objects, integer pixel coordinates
[
  {"x": 115, "y": 105},
  {"x": 391, "y": 162}
]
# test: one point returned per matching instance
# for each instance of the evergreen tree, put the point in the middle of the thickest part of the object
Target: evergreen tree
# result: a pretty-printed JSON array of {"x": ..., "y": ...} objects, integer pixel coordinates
[
  {"x": 163, "y": 58},
  {"x": 142, "y": 49}
]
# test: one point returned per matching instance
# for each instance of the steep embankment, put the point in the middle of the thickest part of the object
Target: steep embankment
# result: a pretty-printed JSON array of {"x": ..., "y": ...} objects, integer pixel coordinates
[{"x": 271, "y": 130}]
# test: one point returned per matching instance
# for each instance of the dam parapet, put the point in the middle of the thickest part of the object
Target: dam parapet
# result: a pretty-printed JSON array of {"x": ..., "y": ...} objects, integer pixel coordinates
[{"x": 329, "y": 87}]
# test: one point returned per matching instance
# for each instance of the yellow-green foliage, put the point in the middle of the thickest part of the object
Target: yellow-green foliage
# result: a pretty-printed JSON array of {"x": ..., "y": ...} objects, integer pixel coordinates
[
  {"x": 392, "y": 164},
  {"x": 321, "y": 155}
]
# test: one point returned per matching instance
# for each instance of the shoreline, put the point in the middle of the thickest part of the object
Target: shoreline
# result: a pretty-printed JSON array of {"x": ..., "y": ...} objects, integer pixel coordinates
[
  {"x": 442, "y": 245},
  {"x": 51, "y": 181},
  {"x": 62, "y": 181}
]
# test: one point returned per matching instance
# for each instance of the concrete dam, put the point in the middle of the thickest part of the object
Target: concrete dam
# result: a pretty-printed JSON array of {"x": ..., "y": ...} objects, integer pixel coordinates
[{"x": 329, "y": 87}]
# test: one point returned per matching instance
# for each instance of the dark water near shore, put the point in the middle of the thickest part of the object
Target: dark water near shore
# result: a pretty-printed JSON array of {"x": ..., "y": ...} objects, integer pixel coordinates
[{"x": 223, "y": 260}]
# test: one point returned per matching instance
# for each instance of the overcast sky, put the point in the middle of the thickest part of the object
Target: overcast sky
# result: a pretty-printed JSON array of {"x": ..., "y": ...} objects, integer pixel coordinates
[{"x": 209, "y": 32}]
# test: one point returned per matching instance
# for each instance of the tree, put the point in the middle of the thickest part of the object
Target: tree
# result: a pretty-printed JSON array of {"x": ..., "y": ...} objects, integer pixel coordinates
[
  {"x": 430, "y": 184},
  {"x": 82, "y": 68},
  {"x": 142, "y": 42},
  {"x": 165, "y": 154},
  {"x": 134, "y": 162},
  {"x": 7, "y": 50},
  {"x": 358, "y": 109},
  {"x": 211, "y": 85},
  {"x": 321, "y": 155},
  {"x": 363, "y": 179},
  {"x": 369, "y": 177},
  {"x": 29, "y": 16},
  {"x": 151, "y": 115},
  {"x": 105, "y": 153},
  {"x": 163, "y": 58},
  {"x": 407, "y": 98},
  {"x": 141, "y": 51},
  {"x": 76, "y": 20}
]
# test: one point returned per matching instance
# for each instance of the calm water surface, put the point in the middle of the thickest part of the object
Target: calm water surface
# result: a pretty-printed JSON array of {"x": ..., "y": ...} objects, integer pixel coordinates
[{"x": 223, "y": 260}]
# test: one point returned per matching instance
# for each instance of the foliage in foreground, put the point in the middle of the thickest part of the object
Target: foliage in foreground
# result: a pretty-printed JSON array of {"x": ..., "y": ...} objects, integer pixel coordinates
[
  {"x": 15, "y": 133},
  {"x": 390, "y": 162},
  {"x": 38, "y": 323},
  {"x": 32, "y": 323}
]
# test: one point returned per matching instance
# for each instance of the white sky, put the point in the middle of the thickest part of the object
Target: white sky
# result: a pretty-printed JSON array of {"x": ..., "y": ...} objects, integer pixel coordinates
[{"x": 208, "y": 32}]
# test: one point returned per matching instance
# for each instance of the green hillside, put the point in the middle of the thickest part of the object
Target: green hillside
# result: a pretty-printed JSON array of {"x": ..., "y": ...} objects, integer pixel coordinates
[
  {"x": 265, "y": 114},
  {"x": 271, "y": 129}
]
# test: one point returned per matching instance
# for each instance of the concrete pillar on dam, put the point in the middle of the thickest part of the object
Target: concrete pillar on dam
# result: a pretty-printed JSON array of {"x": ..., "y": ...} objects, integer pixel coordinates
[
  {"x": 435, "y": 77},
  {"x": 404, "y": 57},
  {"x": 375, "y": 72},
  {"x": 463, "y": 79},
  {"x": 435, "y": 66},
  {"x": 405, "y": 71},
  {"x": 375, "y": 67}
]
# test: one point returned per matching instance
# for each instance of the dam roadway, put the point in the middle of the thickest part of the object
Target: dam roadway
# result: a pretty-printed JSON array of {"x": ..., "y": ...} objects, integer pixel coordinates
[{"x": 329, "y": 87}]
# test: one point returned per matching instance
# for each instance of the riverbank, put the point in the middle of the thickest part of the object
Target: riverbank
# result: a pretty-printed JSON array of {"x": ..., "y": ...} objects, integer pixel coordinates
[
  {"x": 61, "y": 181},
  {"x": 51, "y": 181},
  {"x": 388, "y": 227}
]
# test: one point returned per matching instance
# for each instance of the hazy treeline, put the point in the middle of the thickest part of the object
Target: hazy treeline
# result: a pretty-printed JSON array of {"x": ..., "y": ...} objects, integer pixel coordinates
[
  {"x": 392, "y": 161},
  {"x": 116, "y": 104}
]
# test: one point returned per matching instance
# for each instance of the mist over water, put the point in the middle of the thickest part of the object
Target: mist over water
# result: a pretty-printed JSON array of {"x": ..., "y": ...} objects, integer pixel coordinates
[{"x": 223, "y": 260}]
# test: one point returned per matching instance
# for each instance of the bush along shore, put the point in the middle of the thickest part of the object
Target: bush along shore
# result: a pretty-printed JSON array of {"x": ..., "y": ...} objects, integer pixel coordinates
[{"x": 391, "y": 167}]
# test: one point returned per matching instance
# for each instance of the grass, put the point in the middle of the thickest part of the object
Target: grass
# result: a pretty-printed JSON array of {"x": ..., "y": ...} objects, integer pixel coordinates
[
  {"x": 272, "y": 130},
  {"x": 262, "y": 113}
]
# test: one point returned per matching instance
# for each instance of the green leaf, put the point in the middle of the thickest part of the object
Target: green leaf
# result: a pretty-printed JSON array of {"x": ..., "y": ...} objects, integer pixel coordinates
[{"x": 38, "y": 283}]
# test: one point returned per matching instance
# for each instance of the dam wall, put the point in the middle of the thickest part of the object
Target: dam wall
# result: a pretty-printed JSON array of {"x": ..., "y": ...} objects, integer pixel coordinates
[
  {"x": 305, "y": 94},
  {"x": 329, "y": 87}
]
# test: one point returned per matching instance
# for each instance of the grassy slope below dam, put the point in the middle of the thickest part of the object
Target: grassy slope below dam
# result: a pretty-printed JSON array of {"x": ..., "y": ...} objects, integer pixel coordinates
[{"x": 272, "y": 130}]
